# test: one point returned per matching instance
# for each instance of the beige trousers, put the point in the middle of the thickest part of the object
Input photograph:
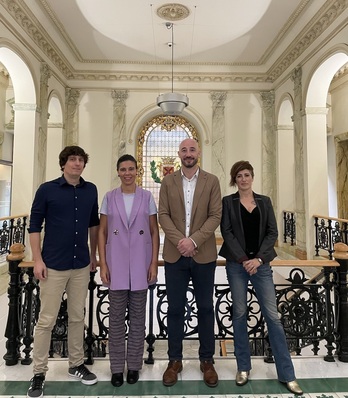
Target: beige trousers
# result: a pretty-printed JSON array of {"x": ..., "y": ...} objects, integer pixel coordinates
[{"x": 75, "y": 283}]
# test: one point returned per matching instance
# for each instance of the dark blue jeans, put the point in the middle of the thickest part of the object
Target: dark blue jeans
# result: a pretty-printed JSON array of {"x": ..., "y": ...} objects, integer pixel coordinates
[
  {"x": 177, "y": 277},
  {"x": 263, "y": 284}
]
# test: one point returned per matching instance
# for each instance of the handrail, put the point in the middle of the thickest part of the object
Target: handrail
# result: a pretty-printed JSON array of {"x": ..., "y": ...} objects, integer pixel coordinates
[
  {"x": 274, "y": 263},
  {"x": 13, "y": 217},
  {"x": 331, "y": 218}
]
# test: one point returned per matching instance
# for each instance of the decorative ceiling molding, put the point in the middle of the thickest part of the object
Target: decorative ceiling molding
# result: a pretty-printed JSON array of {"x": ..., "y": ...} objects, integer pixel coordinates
[
  {"x": 173, "y": 12},
  {"x": 27, "y": 21},
  {"x": 286, "y": 29},
  {"x": 183, "y": 78},
  {"x": 331, "y": 10}
]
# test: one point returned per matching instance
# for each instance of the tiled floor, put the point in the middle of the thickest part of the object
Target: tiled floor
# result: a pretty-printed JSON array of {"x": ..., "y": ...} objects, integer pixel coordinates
[{"x": 318, "y": 379}]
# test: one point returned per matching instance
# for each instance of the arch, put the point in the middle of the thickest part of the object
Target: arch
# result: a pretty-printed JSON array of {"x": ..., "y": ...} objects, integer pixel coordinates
[
  {"x": 319, "y": 83},
  {"x": 24, "y": 178},
  {"x": 316, "y": 140},
  {"x": 157, "y": 147},
  {"x": 151, "y": 111},
  {"x": 22, "y": 80}
]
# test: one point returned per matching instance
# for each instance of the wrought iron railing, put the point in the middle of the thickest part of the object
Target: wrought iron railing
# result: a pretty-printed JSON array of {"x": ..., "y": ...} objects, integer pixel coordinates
[
  {"x": 328, "y": 231},
  {"x": 12, "y": 230},
  {"x": 289, "y": 227},
  {"x": 308, "y": 310}
]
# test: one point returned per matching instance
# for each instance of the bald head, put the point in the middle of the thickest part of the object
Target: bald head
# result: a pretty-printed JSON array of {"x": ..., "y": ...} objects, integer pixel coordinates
[{"x": 189, "y": 153}]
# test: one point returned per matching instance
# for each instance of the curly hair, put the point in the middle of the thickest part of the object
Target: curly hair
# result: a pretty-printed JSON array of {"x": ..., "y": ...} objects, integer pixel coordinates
[{"x": 72, "y": 150}]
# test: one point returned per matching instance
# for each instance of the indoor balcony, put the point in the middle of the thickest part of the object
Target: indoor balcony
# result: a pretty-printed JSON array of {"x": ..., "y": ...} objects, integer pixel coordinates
[{"x": 311, "y": 310}]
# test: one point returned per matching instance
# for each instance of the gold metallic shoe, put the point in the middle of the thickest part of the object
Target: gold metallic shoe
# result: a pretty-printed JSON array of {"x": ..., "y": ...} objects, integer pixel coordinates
[
  {"x": 242, "y": 377},
  {"x": 293, "y": 387}
]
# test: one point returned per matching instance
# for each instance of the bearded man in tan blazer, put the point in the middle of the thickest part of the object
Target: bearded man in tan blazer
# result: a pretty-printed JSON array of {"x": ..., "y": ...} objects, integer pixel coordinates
[{"x": 189, "y": 213}]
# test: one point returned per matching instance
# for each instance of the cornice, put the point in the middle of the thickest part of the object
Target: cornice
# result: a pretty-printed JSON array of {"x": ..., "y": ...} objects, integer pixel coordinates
[
  {"x": 30, "y": 24},
  {"x": 178, "y": 78},
  {"x": 324, "y": 18}
]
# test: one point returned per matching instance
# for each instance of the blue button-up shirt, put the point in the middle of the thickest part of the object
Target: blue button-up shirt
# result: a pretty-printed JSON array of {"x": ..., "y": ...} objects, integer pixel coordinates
[{"x": 67, "y": 212}]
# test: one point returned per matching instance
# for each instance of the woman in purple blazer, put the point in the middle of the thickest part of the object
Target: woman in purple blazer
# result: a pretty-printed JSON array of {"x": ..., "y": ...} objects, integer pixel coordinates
[
  {"x": 128, "y": 246},
  {"x": 249, "y": 229}
]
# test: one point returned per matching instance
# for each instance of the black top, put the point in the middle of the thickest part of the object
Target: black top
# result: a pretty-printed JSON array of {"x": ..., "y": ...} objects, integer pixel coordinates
[
  {"x": 232, "y": 229},
  {"x": 251, "y": 226}
]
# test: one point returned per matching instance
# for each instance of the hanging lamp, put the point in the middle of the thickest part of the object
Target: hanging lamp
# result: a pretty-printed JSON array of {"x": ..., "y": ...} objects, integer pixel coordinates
[{"x": 172, "y": 103}]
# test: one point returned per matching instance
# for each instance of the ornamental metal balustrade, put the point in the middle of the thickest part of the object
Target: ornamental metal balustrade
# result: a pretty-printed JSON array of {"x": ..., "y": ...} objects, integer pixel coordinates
[
  {"x": 308, "y": 309},
  {"x": 328, "y": 231},
  {"x": 289, "y": 227},
  {"x": 12, "y": 230}
]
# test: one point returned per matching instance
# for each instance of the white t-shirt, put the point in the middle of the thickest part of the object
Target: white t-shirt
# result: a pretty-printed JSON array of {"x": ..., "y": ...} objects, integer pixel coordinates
[{"x": 128, "y": 199}]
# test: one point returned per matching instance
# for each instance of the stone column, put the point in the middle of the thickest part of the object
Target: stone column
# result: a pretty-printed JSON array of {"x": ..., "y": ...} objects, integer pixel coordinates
[
  {"x": 218, "y": 137},
  {"x": 341, "y": 256},
  {"x": 119, "y": 131},
  {"x": 269, "y": 148},
  {"x": 45, "y": 74},
  {"x": 70, "y": 135},
  {"x": 4, "y": 80},
  {"x": 301, "y": 252}
]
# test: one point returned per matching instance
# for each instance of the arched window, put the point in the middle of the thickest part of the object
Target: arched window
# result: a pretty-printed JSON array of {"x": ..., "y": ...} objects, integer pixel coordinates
[{"x": 157, "y": 152}]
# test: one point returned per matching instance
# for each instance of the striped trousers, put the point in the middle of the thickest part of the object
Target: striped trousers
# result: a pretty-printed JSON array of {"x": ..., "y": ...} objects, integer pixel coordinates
[{"x": 136, "y": 303}]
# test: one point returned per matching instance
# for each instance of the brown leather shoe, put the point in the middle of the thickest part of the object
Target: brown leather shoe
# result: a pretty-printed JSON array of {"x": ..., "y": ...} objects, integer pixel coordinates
[
  {"x": 170, "y": 376},
  {"x": 210, "y": 376}
]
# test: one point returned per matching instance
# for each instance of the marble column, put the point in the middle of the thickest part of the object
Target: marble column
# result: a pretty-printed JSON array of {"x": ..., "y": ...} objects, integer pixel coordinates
[
  {"x": 341, "y": 145},
  {"x": 269, "y": 148},
  {"x": 119, "y": 131},
  {"x": 4, "y": 80},
  {"x": 301, "y": 252},
  {"x": 70, "y": 135},
  {"x": 45, "y": 74},
  {"x": 218, "y": 137}
]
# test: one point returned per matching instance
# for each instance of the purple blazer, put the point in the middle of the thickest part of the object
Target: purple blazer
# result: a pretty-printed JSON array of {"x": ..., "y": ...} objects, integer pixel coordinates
[{"x": 129, "y": 244}]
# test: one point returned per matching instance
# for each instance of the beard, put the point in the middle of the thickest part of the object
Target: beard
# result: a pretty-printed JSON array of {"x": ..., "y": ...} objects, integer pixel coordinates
[{"x": 189, "y": 162}]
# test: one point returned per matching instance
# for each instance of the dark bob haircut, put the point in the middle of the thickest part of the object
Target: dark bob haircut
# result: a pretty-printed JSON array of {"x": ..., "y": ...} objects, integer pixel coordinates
[{"x": 238, "y": 167}]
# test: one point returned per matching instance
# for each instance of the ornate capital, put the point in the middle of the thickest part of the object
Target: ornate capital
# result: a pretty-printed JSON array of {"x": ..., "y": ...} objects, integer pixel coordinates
[
  {"x": 267, "y": 99},
  {"x": 120, "y": 96},
  {"x": 218, "y": 98},
  {"x": 72, "y": 95},
  {"x": 45, "y": 73}
]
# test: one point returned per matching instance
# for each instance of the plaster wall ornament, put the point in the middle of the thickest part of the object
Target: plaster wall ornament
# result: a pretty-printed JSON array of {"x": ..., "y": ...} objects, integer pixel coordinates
[
  {"x": 118, "y": 132},
  {"x": 296, "y": 77},
  {"x": 70, "y": 134},
  {"x": 218, "y": 137},
  {"x": 173, "y": 12}
]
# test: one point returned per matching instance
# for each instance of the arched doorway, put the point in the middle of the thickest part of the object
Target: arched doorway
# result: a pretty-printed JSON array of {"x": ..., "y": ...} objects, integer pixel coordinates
[{"x": 24, "y": 106}]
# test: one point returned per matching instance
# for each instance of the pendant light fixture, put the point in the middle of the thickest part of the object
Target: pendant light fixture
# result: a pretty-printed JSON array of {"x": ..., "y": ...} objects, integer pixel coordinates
[{"x": 172, "y": 103}]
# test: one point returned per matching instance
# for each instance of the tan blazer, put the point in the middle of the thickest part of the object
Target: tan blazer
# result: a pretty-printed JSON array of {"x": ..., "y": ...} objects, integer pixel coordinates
[{"x": 205, "y": 215}]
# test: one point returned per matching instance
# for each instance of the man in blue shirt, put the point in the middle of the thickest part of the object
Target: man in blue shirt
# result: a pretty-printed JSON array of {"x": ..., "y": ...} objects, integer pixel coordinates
[{"x": 68, "y": 207}]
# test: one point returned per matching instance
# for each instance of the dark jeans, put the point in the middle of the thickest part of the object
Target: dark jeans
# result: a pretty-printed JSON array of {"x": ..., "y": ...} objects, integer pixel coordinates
[{"x": 177, "y": 277}]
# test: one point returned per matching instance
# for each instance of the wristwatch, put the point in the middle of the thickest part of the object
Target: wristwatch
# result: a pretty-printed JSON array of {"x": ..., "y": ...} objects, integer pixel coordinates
[{"x": 259, "y": 260}]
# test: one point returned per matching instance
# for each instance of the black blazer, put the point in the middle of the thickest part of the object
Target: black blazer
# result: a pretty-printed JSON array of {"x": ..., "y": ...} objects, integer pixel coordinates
[{"x": 233, "y": 247}]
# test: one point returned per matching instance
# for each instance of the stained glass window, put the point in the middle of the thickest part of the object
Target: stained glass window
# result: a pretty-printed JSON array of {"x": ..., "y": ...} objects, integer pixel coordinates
[{"x": 158, "y": 144}]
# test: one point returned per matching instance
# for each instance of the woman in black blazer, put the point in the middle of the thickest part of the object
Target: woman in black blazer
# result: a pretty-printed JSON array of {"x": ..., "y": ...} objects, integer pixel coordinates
[{"x": 249, "y": 229}]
